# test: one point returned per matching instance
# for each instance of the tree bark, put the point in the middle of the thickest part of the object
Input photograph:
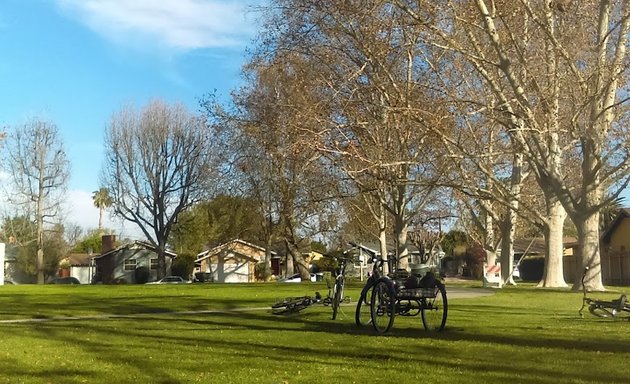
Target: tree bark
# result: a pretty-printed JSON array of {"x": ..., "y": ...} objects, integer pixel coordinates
[
  {"x": 508, "y": 228},
  {"x": 588, "y": 254},
  {"x": 402, "y": 252},
  {"x": 553, "y": 275},
  {"x": 382, "y": 239}
]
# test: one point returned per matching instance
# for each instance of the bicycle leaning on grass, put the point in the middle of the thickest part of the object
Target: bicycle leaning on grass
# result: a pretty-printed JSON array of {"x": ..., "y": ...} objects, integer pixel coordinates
[
  {"x": 616, "y": 308},
  {"x": 295, "y": 304}
]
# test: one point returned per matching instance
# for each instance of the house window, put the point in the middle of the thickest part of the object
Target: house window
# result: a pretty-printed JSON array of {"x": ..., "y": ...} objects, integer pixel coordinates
[
  {"x": 130, "y": 265},
  {"x": 154, "y": 263}
]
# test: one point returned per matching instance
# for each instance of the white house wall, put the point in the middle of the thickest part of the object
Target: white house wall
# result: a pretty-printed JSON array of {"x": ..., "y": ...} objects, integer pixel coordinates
[
  {"x": 230, "y": 273},
  {"x": 83, "y": 273}
]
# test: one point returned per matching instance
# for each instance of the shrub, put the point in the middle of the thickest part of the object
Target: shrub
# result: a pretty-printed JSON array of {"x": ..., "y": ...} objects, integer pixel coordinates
[
  {"x": 183, "y": 265},
  {"x": 475, "y": 256},
  {"x": 261, "y": 272}
]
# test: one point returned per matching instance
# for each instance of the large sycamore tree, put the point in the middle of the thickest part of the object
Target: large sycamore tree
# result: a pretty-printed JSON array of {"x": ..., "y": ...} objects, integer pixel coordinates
[
  {"x": 158, "y": 162},
  {"x": 558, "y": 75}
]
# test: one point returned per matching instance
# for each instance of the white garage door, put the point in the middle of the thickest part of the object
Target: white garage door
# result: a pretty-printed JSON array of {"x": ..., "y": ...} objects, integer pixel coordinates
[{"x": 230, "y": 273}]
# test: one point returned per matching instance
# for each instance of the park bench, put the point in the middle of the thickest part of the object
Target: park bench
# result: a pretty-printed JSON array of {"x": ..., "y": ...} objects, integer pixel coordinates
[{"x": 492, "y": 275}]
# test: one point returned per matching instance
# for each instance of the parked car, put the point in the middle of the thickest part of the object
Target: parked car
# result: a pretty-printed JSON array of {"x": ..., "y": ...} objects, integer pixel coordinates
[
  {"x": 516, "y": 274},
  {"x": 171, "y": 280},
  {"x": 203, "y": 277},
  {"x": 296, "y": 278},
  {"x": 65, "y": 280}
]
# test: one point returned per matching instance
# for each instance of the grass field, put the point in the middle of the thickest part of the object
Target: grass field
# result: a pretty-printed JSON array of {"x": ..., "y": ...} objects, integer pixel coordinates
[{"x": 518, "y": 335}]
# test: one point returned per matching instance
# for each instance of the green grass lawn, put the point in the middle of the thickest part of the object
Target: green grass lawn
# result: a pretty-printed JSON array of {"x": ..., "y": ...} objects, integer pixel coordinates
[{"x": 518, "y": 335}]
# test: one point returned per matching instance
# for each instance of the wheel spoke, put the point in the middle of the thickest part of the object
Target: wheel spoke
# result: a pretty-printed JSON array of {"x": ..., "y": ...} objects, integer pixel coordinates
[{"x": 435, "y": 310}]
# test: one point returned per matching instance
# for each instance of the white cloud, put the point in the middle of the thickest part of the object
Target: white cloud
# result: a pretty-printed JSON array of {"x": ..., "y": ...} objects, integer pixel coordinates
[{"x": 175, "y": 24}]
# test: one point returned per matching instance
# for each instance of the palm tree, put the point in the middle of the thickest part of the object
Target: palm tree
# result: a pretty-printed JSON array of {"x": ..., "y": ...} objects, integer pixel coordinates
[
  {"x": 102, "y": 201},
  {"x": 608, "y": 213}
]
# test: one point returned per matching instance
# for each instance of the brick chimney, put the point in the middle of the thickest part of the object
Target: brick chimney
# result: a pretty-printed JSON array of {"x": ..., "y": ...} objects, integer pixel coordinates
[{"x": 108, "y": 242}]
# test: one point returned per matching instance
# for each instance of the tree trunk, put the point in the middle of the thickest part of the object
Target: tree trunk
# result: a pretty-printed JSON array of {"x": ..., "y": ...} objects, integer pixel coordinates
[
  {"x": 266, "y": 272},
  {"x": 100, "y": 218},
  {"x": 40, "y": 233},
  {"x": 402, "y": 253},
  {"x": 509, "y": 224},
  {"x": 491, "y": 255},
  {"x": 161, "y": 270},
  {"x": 289, "y": 268},
  {"x": 508, "y": 228},
  {"x": 382, "y": 238},
  {"x": 553, "y": 275},
  {"x": 588, "y": 254},
  {"x": 296, "y": 258}
]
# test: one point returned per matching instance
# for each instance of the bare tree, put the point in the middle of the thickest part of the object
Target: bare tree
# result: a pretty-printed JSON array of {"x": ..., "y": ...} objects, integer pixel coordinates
[
  {"x": 39, "y": 169},
  {"x": 158, "y": 162},
  {"x": 367, "y": 77},
  {"x": 287, "y": 178}
]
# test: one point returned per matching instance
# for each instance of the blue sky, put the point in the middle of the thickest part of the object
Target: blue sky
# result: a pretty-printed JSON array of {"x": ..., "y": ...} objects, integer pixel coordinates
[{"x": 77, "y": 62}]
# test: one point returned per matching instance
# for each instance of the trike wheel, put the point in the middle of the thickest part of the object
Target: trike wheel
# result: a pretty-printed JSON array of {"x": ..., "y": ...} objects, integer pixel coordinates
[
  {"x": 337, "y": 297},
  {"x": 435, "y": 310},
  {"x": 363, "y": 313},
  {"x": 382, "y": 303}
]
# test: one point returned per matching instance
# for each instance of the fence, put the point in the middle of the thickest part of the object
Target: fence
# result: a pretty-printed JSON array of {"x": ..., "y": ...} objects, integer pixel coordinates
[{"x": 615, "y": 268}]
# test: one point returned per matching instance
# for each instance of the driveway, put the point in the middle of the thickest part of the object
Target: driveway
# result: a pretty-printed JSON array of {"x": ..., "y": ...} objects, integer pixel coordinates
[{"x": 466, "y": 293}]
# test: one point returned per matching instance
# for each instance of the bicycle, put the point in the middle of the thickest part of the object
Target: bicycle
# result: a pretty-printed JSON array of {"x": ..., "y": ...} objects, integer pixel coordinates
[
  {"x": 334, "y": 298},
  {"x": 363, "y": 312},
  {"x": 616, "y": 308},
  {"x": 294, "y": 304},
  {"x": 338, "y": 287}
]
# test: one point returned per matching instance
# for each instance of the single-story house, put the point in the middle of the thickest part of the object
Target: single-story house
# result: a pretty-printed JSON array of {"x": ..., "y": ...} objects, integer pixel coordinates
[
  {"x": 232, "y": 262},
  {"x": 615, "y": 250},
  {"x": 278, "y": 262},
  {"x": 11, "y": 271},
  {"x": 119, "y": 265}
]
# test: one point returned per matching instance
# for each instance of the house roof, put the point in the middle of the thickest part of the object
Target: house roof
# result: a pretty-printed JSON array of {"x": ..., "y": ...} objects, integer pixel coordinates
[
  {"x": 227, "y": 246},
  {"x": 134, "y": 245},
  {"x": 375, "y": 248},
  {"x": 80, "y": 259},
  {"x": 623, "y": 214},
  {"x": 536, "y": 245}
]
